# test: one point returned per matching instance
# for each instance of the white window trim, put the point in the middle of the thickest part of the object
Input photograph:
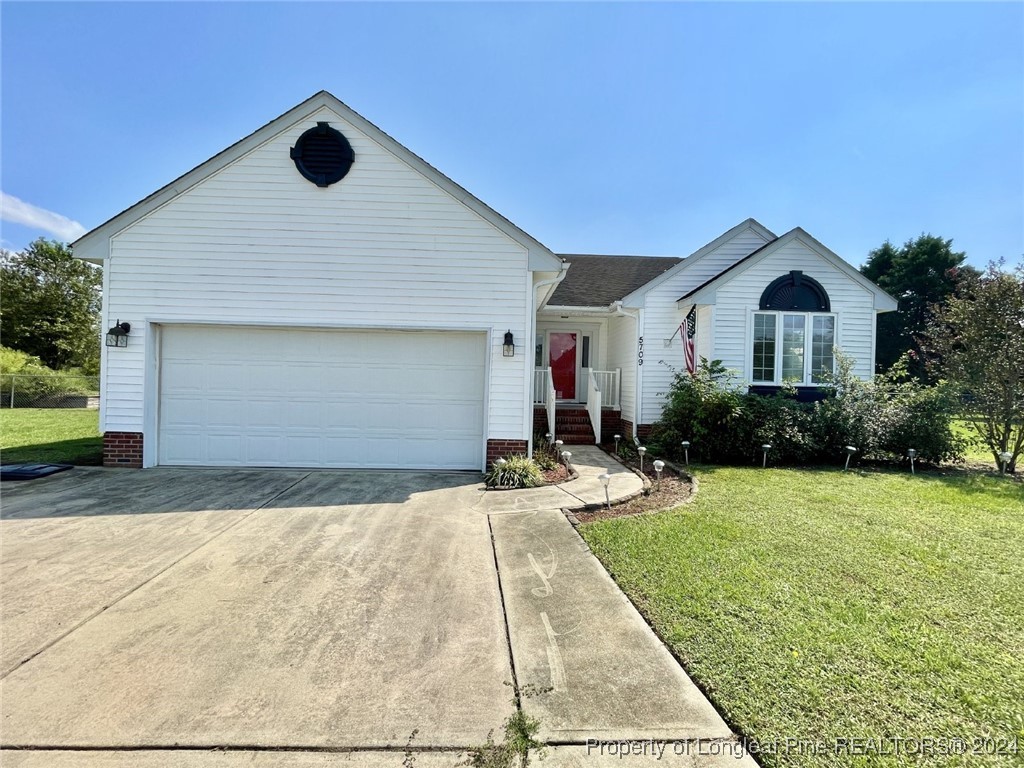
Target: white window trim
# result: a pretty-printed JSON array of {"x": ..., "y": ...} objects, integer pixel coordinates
[{"x": 777, "y": 380}]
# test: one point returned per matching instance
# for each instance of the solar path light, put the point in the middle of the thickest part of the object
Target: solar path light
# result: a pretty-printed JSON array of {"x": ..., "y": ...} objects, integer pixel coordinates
[
  {"x": 912, "y": 454},
  {"x": 686, "y": 451},
  {"x": 605, "y": 479},
  {"x": 658, "y": 466},
  {"x": 567, "y": 458},
  {"x": 850, "y": 450},
  {"x": 1005, "y": 457},
  {"x": 641, "y": 450},
  {"x": 617, "y": 438},
  {"x": 764, "y": 460}
]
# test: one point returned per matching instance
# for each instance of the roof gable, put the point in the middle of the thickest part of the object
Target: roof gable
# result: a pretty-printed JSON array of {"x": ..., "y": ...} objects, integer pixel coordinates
[
  {"x": 635, "y": 298},
  {"x": 94, "y": 245},
  {"x": 704, "y": 294}
]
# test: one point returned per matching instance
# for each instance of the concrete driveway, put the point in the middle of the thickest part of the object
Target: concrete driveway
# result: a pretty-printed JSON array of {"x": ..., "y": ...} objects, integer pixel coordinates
[{"x": 215, "y": 617}]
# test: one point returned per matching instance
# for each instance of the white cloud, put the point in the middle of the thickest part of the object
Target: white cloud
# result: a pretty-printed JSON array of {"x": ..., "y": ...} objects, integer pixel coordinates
[{"x": 19, "y": 212}]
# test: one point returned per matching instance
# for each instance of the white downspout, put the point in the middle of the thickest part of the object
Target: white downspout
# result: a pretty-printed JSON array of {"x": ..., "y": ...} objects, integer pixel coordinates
[
  {"x": 617, "y": 310},
  {"x": 532, "y": 341}
]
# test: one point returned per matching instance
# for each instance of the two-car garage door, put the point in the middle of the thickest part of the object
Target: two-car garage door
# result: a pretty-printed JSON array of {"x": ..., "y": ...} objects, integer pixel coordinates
[{"x": 233, "y": 396}]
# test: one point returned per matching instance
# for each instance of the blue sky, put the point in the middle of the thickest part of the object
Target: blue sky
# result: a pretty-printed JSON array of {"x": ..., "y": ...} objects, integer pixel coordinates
[{"x": 604, "y": 128}]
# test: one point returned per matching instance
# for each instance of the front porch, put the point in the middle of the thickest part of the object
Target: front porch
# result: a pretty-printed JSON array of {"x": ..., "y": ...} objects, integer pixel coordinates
[{"x": 596, "y": 411}]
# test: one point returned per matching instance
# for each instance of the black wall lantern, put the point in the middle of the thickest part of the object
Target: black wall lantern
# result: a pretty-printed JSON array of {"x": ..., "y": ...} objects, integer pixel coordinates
[
  {"x": 509, "y": 347},
  {"x": 118, "y": 335}
]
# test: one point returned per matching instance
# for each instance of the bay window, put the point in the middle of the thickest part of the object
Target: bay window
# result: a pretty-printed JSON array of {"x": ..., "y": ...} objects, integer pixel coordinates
[{"x": 793, "y": 347}]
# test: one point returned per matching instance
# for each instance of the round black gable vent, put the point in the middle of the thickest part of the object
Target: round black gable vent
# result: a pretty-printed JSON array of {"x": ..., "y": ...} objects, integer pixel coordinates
[{"x": 323, "y": 155}]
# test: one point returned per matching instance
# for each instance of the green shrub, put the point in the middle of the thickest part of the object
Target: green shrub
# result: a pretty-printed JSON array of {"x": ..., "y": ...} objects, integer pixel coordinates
[
  {"x": 34, "y": 379},
  {"x": 517, "y": 472},
  {"x": 882, "y": 418},
  {"x": 545, "y": 455}
]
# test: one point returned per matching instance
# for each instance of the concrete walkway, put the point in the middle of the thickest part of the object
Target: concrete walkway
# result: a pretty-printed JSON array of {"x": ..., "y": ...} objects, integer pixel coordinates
[{"x": 247, "y": 617}]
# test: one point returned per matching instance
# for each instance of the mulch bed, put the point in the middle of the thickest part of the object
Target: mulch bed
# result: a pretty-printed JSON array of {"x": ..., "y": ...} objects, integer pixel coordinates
[
  {"x": 555, "y": 476},
  {"x": 672, "y": 492}
]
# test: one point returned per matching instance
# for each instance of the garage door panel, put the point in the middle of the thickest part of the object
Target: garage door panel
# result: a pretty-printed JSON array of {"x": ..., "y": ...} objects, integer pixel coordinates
[{"x": 261, "y": 397}]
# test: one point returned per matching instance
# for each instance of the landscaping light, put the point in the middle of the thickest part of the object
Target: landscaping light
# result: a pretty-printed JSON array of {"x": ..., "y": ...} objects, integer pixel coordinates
[
  {"x": 500, "y": 462},
  {"x": 911, "y": 454},
  {"x": 658, "y": 466},
  {"x": 850, "y": 450},
  {"x": 567, "y": 457},
  {"x": 605, "y": 479},
  {"x": 764, "y": 461},
  {"x": 508, "y": 349},
  {"x": 558, "y": 445},
  {"x": 641, "y": 450},
  {"x": 617, "y": 438},
  {"x": 1005, "y": 457},
  {"x": 118, "y": 335},
  {"x": 686, "y": 451},
  {"x": 548, "y": 436}
]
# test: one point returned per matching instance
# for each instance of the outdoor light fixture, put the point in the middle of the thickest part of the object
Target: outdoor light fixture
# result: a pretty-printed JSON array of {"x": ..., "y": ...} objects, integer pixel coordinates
[
  {"x": 658, "y": 466},
  {"x": 500, "y": 462},
  {"x": 617, "y": 438},
  {"x": 764, "y": 461},
  {"x": 508, "y": 349},
  {"x": 641, "y": 450},
  {"x": 567, "y": 458},
  {"x": 118, "y": 335},
  {"x": 850, "y": 450},
  {"x": 686, "y": 451},
  {"x": 548, "y": 436},
  {"x": 605, "y": 479},
  {"x": 1005, "y": 457},
  {"x": 911, "y": 453},
  {"x": 558, "y": 445}
]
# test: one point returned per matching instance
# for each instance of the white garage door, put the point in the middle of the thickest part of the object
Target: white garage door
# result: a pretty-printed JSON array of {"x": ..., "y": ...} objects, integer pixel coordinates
[{"x": 300, "y": 398}]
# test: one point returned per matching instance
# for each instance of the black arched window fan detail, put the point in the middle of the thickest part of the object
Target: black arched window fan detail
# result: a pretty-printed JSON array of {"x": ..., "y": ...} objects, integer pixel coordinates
[
  {"x": 323, "y": 155},
  {"x": 795, "y": 292}
]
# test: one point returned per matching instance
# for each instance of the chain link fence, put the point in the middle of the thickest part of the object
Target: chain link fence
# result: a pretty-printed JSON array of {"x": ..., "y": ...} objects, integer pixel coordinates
[{"x": 58, "y": 391}]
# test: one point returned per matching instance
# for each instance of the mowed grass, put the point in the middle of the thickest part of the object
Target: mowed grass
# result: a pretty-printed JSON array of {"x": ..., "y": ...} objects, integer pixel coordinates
[
  {"x": 50, "y": 436},
  {"x": 820, "y": 605}
]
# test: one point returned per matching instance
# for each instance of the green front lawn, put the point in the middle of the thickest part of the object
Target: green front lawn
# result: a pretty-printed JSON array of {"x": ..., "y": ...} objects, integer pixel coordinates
[
  {"x": 50, "y": 436},
  {"x": 817, "y": 604}
]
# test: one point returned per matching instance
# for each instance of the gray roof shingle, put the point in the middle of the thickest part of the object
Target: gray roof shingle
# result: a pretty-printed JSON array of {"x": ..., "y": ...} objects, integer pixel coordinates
[{"x": 597, "y": 281}]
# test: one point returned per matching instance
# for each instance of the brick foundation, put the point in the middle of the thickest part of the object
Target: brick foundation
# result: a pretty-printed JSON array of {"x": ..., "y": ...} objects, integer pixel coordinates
[
  {"x": 122, "y": 449},
  {"x": 498, "y": 448},
  {"x": 643, "y": 431}
]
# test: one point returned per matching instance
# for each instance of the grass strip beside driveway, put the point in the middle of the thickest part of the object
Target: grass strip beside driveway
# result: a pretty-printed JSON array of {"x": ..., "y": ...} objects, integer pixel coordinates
[
  {"x": 50, "y": 436},
  {"x": 816, "y": 604}
]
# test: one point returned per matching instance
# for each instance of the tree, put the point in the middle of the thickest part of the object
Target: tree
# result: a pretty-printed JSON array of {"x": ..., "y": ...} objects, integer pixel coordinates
[
  {"x": 921, "y": 273},
  {"x": 51, "y": 305},
  {"x": 976, "y": 341}
]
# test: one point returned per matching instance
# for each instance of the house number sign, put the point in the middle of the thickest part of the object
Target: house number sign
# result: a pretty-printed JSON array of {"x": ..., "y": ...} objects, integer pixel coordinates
[{"x": 640, "y": 352}]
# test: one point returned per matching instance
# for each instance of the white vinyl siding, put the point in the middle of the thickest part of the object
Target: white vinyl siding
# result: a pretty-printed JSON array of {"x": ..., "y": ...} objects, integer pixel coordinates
[
  {"x": 621, "y": 335},
  {"x": 662, "y": 318},
  {"x": 736, "y": 304},
  {"x": 257, "y": 244}
]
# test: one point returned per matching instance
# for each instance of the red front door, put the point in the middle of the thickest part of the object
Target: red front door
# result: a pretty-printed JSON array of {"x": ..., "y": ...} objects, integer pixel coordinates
[{"x": 562, "y": 355}]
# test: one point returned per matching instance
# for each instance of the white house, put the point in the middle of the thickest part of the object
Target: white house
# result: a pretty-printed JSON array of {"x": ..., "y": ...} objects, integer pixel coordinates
[{"x": 317, "y": 295}]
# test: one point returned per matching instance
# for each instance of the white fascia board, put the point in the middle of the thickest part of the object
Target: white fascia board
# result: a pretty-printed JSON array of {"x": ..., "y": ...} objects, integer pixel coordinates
[
  {"x": 636, "y": 297},
  {"x": 707, "y": 295},
  {"x": 554, "y": 309},
  {"x": 95, "y": 243}
]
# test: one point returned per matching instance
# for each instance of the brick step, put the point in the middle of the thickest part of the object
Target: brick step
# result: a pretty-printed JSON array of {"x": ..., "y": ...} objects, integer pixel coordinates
[{"x": 576, "y": 440}]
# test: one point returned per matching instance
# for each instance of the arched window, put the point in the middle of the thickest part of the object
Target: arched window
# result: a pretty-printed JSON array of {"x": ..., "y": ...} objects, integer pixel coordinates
[{"x": 795, "y": 292}]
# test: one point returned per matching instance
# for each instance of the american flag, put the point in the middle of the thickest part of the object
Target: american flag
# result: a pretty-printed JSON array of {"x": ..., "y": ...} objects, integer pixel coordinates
[{"x": 687, "y": 330}]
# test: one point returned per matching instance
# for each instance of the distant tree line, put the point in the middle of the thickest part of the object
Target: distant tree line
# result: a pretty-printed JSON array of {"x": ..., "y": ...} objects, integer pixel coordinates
[{"x": 50, "y": 306}]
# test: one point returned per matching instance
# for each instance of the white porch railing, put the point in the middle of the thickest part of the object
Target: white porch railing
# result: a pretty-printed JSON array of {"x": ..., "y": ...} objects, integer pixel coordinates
[
  {"x": 607, "y": 381},
  {"x": 594, "y": 404},
  {"x": 549, "y": 405},
  {"x": 608, "y": 384}
]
